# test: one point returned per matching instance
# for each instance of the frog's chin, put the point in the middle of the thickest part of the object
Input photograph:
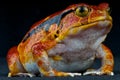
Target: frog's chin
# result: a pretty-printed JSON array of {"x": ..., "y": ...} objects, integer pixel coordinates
[{"x": 101, "y": 25}]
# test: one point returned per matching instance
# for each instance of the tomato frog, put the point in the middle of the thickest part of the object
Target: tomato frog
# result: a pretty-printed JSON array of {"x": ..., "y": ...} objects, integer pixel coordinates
[{"x": 64, "y": 43}]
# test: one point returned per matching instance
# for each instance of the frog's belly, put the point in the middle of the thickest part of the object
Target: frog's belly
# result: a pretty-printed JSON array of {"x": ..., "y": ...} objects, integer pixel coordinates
[
  {"x": 63, "y": 65},
  {"x": 72, "y": 66}
]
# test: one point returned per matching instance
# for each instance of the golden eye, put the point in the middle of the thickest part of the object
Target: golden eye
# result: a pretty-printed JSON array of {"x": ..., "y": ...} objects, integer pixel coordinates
[{"x": 82, "y": 11}]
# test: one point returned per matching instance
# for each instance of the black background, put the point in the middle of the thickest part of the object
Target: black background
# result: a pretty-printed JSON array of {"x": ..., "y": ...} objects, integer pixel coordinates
[{"x": 17, "y": 18}]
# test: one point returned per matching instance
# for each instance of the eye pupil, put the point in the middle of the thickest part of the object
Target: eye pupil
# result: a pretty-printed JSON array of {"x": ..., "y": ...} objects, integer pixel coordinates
[{"x": 82, "y": 11}]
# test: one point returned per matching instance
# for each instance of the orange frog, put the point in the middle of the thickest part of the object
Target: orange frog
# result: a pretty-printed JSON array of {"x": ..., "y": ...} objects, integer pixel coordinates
[{"x": 64, "y": 44}]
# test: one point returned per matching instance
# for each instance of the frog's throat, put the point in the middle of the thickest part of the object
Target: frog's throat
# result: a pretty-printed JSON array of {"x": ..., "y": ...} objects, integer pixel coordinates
[{"x": 77, "y": 29}]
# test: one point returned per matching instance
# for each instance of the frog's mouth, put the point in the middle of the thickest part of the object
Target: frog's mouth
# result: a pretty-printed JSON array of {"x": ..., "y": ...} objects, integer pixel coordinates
[{"x": 102, "y": 24}]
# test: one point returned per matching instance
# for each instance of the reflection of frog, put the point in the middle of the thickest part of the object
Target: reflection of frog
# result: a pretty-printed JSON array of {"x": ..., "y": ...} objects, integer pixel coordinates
[{"x": 67, "y": 41}]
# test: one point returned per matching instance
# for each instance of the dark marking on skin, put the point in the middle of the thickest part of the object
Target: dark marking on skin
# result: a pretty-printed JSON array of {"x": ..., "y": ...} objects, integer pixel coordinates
[
  {"x": 63, "y": 15},
  {"x": 55, "y": 36},
  {"x": 57, "y": 31}
]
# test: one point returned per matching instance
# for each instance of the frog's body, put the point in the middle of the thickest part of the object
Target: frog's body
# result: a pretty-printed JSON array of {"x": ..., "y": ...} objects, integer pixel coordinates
[{"x": 63, "y": 43}]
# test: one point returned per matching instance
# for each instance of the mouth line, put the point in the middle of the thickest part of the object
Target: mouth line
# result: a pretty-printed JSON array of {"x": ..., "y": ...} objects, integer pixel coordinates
[{"x": 85, "y": 26}]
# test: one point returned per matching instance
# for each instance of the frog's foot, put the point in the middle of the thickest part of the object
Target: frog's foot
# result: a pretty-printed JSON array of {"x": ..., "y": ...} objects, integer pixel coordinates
[
  {"x": 97, "y": 72},
  {"x": 74, "y": 74},
  {"x": 57, "y": 73},
  {"x": 24, "y": 75}
]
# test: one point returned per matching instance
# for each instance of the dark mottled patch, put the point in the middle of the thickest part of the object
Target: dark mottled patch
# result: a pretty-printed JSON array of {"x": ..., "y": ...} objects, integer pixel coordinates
[{"x": 46, "y": 25}]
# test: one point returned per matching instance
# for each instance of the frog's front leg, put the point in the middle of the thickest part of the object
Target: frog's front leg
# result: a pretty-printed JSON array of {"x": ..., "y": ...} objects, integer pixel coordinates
[
  {"x": 107, "y": 62},
  {"x": 41, "y": 57}
]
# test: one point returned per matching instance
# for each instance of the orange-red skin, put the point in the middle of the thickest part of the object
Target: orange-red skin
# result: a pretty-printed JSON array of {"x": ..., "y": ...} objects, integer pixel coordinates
[
  {"x": 12, "y": 54},
  {"x": 46, "y": 44},
  {"x": 109, "y": 60},
  {"x": 102, "y": 6}
]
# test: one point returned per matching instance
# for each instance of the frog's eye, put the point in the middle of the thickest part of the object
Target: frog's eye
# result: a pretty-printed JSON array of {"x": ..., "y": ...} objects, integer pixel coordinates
[{"x": 82, "y": 11}]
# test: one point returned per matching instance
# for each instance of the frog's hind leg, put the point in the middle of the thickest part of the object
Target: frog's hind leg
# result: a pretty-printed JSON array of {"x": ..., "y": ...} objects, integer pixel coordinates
[
  {"x": 14, "y": 65},
  {"x": 107, "y": 62}
]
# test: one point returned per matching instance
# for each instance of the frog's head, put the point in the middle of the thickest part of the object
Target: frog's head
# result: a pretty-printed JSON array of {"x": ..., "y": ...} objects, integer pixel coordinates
[{"x": 81, "y": 17}]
